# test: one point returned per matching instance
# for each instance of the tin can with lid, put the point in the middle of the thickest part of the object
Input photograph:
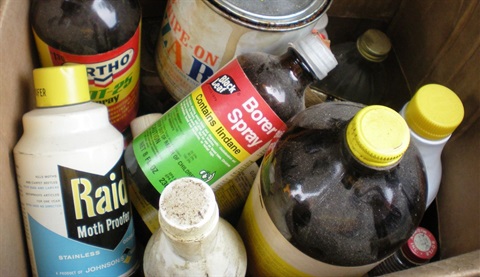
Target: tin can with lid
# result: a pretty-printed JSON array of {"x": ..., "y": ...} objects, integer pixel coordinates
[{"x": 198, "y": 37}]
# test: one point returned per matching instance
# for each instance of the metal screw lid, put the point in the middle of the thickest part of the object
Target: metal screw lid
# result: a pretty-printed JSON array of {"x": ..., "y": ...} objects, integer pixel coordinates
[
  {"x": 282, "y": 15},
  {"x": 374, "y": 45},
  {"x": 421, "y": 247}
]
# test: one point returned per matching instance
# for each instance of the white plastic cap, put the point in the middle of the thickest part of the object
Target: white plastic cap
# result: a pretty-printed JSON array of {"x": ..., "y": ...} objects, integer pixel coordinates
[
  {"x": 316, "y": 54},
  {"x": 188, "y": 210}
]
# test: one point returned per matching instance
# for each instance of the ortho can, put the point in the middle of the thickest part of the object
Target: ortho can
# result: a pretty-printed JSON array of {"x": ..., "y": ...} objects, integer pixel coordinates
[{"x": 198, "y": 37}]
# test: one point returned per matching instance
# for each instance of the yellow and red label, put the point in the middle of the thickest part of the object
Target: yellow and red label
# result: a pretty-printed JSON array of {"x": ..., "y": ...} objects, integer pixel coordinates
[{"x": 113, "y": 76}]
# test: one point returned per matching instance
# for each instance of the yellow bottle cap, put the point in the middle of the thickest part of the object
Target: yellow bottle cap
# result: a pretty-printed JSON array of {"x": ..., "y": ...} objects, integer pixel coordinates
[
  {"x": 374, "y": 45},
  {"x": 61, "y": 85},
  {"x": 378, "y": 136},
  {"x": 434, "y": 112}
]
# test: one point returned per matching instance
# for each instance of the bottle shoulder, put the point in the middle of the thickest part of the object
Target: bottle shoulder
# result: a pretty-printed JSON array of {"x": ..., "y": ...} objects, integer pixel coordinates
[
  {"x": 85, "y": 27},
  {"x": 280, "y": 80},
  {"x": 225, "y": 255},
  {"x": 69, "y": 120}
]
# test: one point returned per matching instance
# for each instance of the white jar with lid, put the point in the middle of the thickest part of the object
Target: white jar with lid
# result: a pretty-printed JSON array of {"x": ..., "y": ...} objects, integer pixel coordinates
[
  {"x": 193, "y": 240},
  {"x": 71, "y": 181},
  {"x": 432, "y": 114}
]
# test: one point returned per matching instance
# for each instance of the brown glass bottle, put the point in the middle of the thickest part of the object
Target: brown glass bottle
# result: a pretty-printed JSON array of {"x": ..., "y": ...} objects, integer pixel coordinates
[
  {"x": 345, "y": 193},
  {"x": 279, "y": 80},
  {"x": 85, "y": 27},
  {"x": 105, "y": 36},
  {"x": 420, "y": 248},
  {"x": 361, "y": 75},
  {"x": 268, "y": 73}
]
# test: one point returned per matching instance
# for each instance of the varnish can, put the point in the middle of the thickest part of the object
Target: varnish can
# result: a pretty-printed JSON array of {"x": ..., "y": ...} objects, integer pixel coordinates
[{"x": 198, "y": 37}]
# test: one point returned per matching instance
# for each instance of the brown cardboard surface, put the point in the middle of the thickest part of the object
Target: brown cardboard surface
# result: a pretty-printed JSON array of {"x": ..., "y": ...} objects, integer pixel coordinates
[
  {"x": 463, "y": 265},
  {"x": 16, "y": 70},
  {"x": 434, "y": 41},
  {"x": 365, "y": 9},
  {"x": 459, "y": 195},
  {"x": 439, "y": 42}
]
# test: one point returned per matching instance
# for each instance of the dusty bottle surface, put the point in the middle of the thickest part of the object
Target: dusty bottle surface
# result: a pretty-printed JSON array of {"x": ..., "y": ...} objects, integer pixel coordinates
[
  {"x": 103, "y": 35},
  {"x": 224, "y": 125},
  {"x": 361, "y": 75},
  {"x": 334, "y": 195},
  {"x": 433, "y": 114},
  {"x": 71, "y": 180},
  {"x": 420, "y": 248},
  {"x": 193, "y": 240}
]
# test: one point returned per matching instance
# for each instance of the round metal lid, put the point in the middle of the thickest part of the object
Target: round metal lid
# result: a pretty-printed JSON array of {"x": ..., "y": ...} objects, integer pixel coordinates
[{"x": 272, "y": 15}]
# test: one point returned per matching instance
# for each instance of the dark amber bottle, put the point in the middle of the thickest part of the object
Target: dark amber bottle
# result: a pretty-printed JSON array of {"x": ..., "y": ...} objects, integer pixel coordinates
[
  {"x": 420, "y": 248},
  {"x": 340, "y": 191},
  {"x": 361, "y": 75},
  {"x": 224, "y": 125},
  {"x": 105, "y": 36}
]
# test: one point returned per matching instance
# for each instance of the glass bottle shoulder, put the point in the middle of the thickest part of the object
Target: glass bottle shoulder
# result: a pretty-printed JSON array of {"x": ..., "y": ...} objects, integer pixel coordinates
[
  {"x": 85, "y": 27},
  {"x": 280, "y": 80}
]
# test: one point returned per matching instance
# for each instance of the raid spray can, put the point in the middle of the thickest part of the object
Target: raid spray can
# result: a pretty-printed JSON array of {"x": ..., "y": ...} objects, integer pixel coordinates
[{"x": 71, "y": 181}]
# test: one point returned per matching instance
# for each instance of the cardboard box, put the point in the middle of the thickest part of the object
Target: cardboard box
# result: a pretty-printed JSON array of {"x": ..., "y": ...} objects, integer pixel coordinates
[{"x": 434, "y": 41}]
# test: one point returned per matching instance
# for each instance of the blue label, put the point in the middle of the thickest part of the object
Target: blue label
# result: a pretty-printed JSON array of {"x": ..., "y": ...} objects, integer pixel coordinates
[
  {"x": 60, "y": 256},
  {"x": 99, "y": 234}
]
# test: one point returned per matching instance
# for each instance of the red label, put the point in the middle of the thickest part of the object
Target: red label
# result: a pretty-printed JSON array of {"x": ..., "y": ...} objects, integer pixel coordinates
[{"x": 249, "y": 119}]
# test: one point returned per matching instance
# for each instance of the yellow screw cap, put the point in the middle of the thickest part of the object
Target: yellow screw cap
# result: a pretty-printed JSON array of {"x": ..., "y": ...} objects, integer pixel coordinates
[
  {"x": 374, "y": 45},
  {"x": 434, "y": 112},
  {"x": 378, "y": 136},
  {"x": 61, "y": 85}
]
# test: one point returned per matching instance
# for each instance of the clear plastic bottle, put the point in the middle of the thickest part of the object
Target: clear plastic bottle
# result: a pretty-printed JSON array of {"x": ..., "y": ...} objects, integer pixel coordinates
[
  {"x": 341, "y": 190},
  {"x": 71, "y": 180},
  {"x": 193, "y": 240},
  {"x": 420, "y": 248},
  {"x": 102, "y": 34},
  {"x": 361, "y": 74},
  {"x": 224, "y": 126},
  {"x": 432, "y": 114}
]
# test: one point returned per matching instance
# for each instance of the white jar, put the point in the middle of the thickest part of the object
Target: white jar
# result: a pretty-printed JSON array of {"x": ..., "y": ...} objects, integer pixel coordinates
[
  {"x": 193, "y": 240},
  {"x": 70, "y": 174}
]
